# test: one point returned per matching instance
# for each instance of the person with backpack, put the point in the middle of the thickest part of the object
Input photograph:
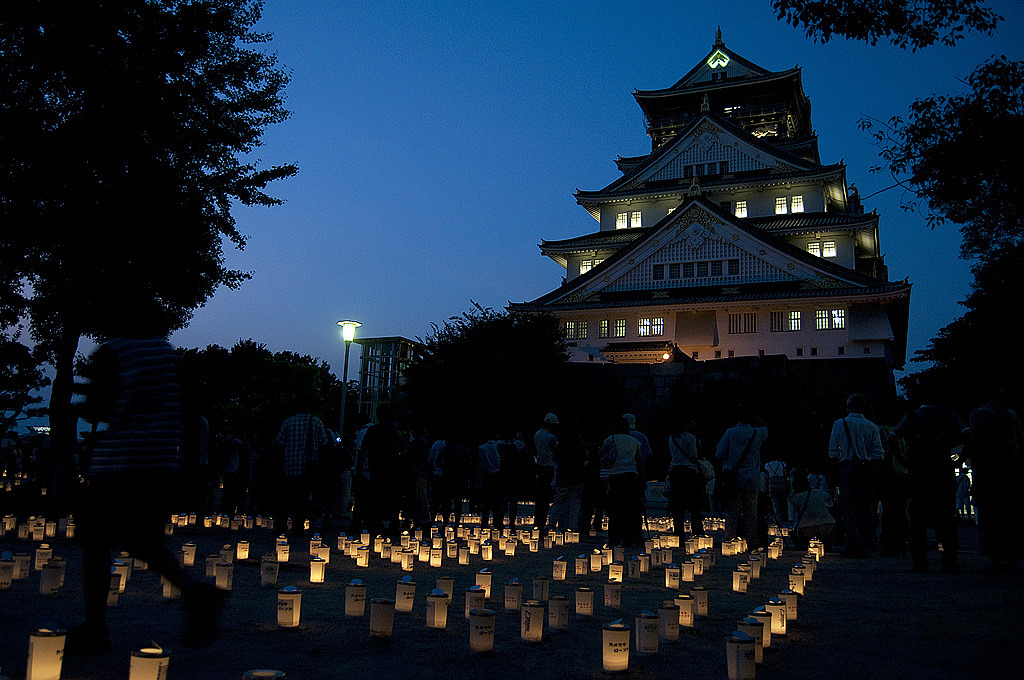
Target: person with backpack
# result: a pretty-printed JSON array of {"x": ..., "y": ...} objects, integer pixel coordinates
[{"x": 739, "y": 483}]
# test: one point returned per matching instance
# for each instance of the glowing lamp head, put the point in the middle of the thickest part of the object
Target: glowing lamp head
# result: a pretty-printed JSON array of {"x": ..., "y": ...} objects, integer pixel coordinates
[{"x": 348, "y": 329}]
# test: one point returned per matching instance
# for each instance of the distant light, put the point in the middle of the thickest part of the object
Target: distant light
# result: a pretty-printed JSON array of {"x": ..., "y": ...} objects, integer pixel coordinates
[
  {"x": 666, "y": 356},
  {"x": 348, "y": 329}
]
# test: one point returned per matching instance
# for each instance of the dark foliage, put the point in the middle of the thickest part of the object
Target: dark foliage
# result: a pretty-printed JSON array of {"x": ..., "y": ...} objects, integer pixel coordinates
[
  {"x": 21, "y": 377},
  {"x": 904, "y": 23},
  {"x": 485, "y": 372}
]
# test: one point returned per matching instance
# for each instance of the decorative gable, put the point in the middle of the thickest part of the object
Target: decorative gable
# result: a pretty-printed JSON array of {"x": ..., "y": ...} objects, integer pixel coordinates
[
  {"x": 708, "y": 143},
  {"x": 721, "y": 64}
]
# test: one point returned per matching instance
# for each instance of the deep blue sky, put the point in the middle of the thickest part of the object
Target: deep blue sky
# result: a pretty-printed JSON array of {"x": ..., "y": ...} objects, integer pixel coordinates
[{"x": 438, "y": 143}]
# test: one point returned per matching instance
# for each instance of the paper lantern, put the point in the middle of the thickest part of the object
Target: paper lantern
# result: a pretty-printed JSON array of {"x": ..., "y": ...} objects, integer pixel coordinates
[
  {"x": 396, "y": 554},
  {"x": 613, "y": 595},
  {"x": 242, "y": 550},
  {"x": 790, "y": 598},
  {"x": 510, "y": 547},
  {"x": 777, "y": 608},
  {"x": 646, "y": 639},
  {"x": 762, "y": 615},
  {"x": 700, "y": 600},
  {"x": 463, "y": 554},
  {"x": 558, "y": 569},
  {"x": 407, "y": 562},
  {"x": 810, "y": 564},
  {"x": 688, "y": 570},
  {"x": 487, "y": 552},
  {"x": 755, "y": 565},
  {"x": 446, "y": 584},
  {"x": 476, "y": 598},
  {"x": 672, "y": 573},
  {"x": 283, "y": 552},
  {"x": 687, "y": 609},
  {"x": 115, "y": 588},
  {"x": 6, "y": 570},
  {"x": 668, "y": 621},
  {"x": 225, "y": 574},
  {"x": 405, "y": 594},
  {"x": 596, "y": 560},
  {"x": 531, "y": 621},
  {"x": 423, "y": 550},
  {"x": 606, "y": 555},
  {"x": 451, "y": 549},
  {"x": 558, "y": 612},
  {"x": 324, "y": 553},
  {"x": 355, "y": 598},
  {"x": 149, "y": 663},
  {"x": 45, "y": 654},
  {"x": 796, "y": 580},
  {"x": 269, "y": 569},
  {"x": 382, "y": 618},
  {"x": 584, "y": 602},
  {"x": 513, "y": 594},
  {"x": 740, "y": 579},
  {"x": 168, "y": 589},
  {"x": 437, "y": 609},
  {"x": 615, "y": 647},
  {"x": 43, "y": 554},
  {"x": 633, "y": 570},
  {"x": 582, "y": 565},
  {"x": 739, "y": 656},
  {"x": 289, "y": 607},
  {"x": 317, "y": 570},
  {"x": 615, "y": 572},
  {"x": 755, "y": 629},
  {"x": 534, "y": 545},
  {"x": 227, "y": 553},
  {"x": 481, "y": 630},
  {"x": 49, "y": 581},
  {"x": 121, "y": 569},
  {"x": 435, "y": 557},
  {"x": 362, "y": 556},
  {"x": 483, "y": 579},
  {"x": 541, "y": 585}
]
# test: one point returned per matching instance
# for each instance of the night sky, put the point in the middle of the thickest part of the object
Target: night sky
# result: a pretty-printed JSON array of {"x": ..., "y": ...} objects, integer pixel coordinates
[{"x": 437, "y": 144}]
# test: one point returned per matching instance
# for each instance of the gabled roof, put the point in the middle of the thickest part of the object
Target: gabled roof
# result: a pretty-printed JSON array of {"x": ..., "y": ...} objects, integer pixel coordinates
[
  {"x": 797, "y": 272},
  {"x": 648, "y": 166}
]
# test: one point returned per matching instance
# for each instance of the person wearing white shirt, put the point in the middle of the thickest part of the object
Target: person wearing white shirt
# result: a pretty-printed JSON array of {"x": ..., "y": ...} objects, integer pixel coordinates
[{"x": 856, "y": 443}]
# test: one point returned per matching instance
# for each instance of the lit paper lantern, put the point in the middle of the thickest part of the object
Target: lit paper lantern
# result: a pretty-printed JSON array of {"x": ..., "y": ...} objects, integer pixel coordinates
[
  {"x": 615, "y": 647},
  {"x": 435, "y": 557},
  {"x": 483, "y": 579},
  {"x": 668, "y": 621},
  {"x": 269, "y": 569},
  {"x": 510, "y": 547},
  {"x": 43, "y": 554},
  {"x": 790, "y": 598},
  {"x": 324, "y": 553},
  {"x": 582, "y": 564},
  {"x": 289, "y": 607},
  {"x": 810, "y": 564},
  {"x": 633, "y": 570},
  {"x": 476, "y": 598},
  {"x": 317, "y": 570},
  {"x": 687, "y": 609},
  {"x": 584, "y": 602},
  {"x": 169, "y": 590},
  {"x": 606, "y": 555},
  {"x": 777, "y": 608},
  {"x": 672, "y": 573},
  {"x": 596, "y": 560},
  {"x": 755, "y": 629},
  {"x": 382, "y": 618},
  {"x": 45, "y": 654},
  {"x": 227, "y": 553},
  {"x": 224, "y": 575},
  {"x": 531, "y": 621},
  {"x": 513, "y": 594},
  {"x": 558, "y": 569},
  {"x": 796, "y": 580},
  {"x": 740, "y": 579},
  {"x": 362, "y": 556},
  {"x": 558, "y": 612},
  {"x": 688, "y": 570},
  {"x": 755, "y": 565},
  {"x": 423, "y": 551},
  {"x": 283, "y": 552},
  {"x": 355, "y": 598},
  {"x": 437, "y": 609},
  {"x": 446, "y": 584},
  {"x": 481, "y": 630},
  {"x": 121, "y": 569},
  {"x": 534, "y": 545},
  {"x": 6, "y": 570},
  {"x": 407, "y": 561},
  {"x": 22, "y": 565},
  {"x": 762, "y": 615},
  {"x": 242, "y": 550},
  {"x": 405, "y": 594},
  {"x": 149, "y": 663},
  {"x": 700, "y": 600},
  {"x": 463, "y": 554},
  {"x": 487, "y": 552},
  {"x": 613, "y": 595},
  {"x": 615, "y": 572},
  {"x": 739, "y": 656},
  {"x": 541, "y": 586}
]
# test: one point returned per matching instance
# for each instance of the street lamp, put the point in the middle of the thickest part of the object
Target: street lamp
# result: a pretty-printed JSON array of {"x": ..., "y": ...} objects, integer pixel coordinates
[{"x": 348, "y": 333}]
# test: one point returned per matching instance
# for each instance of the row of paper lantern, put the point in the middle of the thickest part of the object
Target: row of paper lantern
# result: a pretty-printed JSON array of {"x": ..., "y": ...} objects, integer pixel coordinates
[{"x": 37, "y": 528}]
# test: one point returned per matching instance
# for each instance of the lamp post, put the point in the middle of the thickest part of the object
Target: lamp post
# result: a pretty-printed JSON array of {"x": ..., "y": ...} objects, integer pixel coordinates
[{"x": 348, "y": 333}]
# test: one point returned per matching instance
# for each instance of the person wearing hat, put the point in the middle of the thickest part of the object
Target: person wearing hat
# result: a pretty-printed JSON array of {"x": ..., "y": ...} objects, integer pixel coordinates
[{"x": 545, "y": 443}]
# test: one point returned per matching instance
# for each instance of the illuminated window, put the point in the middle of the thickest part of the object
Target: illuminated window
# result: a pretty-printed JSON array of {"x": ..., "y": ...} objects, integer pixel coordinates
[
  {"x": 634, "y": 219},
  {"x": 671, "y": 210},
  {"x": 598, "y": 260},
  {"x": 828, "y": 248},
  {"x": 651, "y": 326},
  {"x": 797, "y": 203},
  {"x": 602, "y": 328},
  {"x": 622, "y": 220},
  {"x": 581, "y": 330},
  {"x": 780, "y": 205},
  {"x": 794, "y": 321},
  {"x": 620, "y": 328},
  {"x": 657, "y": 325},
  {"x": 829, "y": 319},
  {"x": 644, "y": 327},
  {"x": 586, "y": 266},
  {"x": 745, "y": 322},
  {"x": 741, "y": 208},
  {"x": 814, "y": 248},
  {"x": 570, "y": 330},
  {"x": 658, "y": 272}
]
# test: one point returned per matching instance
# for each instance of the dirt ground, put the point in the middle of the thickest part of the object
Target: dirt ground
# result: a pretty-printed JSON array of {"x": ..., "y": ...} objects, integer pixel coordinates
[{"x": 866, "y": 618}]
